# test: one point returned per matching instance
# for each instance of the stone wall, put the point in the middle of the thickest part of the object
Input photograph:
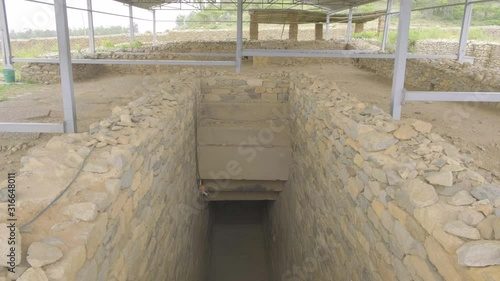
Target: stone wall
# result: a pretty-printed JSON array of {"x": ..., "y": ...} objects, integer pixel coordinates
[
  {"x": 438, "y": 75},
  {"x": 133, "y": 213},
  {"x": 240, "y": 89},
  {"x": 485, "y": 54},
  {"x": 49, "y": 73},
  {"x": 374, "y": 199}
]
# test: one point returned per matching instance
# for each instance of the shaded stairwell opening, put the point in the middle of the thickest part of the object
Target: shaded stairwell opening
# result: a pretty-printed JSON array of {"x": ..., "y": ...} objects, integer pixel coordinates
[{"x": 239, "y": 247}]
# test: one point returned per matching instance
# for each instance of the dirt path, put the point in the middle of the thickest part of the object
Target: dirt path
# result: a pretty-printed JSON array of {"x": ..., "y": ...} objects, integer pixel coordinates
[
  {"x": 43, "y": 103},
  {"x": 473, "y": 128}
]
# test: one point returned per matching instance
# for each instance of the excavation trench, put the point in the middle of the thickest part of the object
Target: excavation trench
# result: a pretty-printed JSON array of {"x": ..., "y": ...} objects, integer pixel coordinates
[{"x": 300, "y": 182}]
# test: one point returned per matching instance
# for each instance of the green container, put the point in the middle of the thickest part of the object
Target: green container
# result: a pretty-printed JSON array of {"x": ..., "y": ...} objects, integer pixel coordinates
[{"x": 9, "y": 75}]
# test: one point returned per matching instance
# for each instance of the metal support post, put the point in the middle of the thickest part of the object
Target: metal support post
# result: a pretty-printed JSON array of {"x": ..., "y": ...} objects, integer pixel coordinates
[
  {"x": 91, "y": 27},
  {"x": 349, "y": 27},
  {"x": 327, "y": 28},
  {"x": 6, "y": 51},
  {"x": 239, "y": 35},
  {"x": 154, "y": 27},
  {"x": 387, "y": 24},
  {"x": 65, "y": 66},
  {"x": 398, "y": 80},
  {"x": 131, "y": 17},
  {"x": 464, "y": 34}
]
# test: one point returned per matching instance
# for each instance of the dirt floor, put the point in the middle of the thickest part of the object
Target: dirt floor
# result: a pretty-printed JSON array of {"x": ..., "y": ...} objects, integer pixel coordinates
[
  {"x": 43, "y": 103},
  {"x": 473, "y": 128},
  {"x": 238, "y": 250}
]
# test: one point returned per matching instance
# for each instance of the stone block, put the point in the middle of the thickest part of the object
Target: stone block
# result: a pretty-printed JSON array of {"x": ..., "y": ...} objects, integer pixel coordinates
[
  {"x": 479, "y": 253},
  {"x": 41, "y": 254},
  {"x": 442, "y": 260}
]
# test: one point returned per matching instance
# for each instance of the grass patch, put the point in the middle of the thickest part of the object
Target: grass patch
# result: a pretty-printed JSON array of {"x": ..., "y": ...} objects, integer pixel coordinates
[
  {"x": 10, "y": 90},
  {"x": 135, "y": 44},
  {"x": 33, "y": 51}
]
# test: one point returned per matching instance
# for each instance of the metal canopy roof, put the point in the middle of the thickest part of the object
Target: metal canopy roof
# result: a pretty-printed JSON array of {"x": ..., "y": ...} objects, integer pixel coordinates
[
  {"x": 338, "y": 5},
  {"x": 332, "y": 5},
  {"x": 278, "y": 16}
]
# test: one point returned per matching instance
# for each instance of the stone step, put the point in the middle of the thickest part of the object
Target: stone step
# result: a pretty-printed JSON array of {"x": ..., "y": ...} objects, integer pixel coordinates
[
  {"x": 244, "y": 111},
  {"x": 244, "y": 163},
  {"x": 243, "y": 196},
  {"x": 243, "y": 185},
  {"x": 267, "y": 137}
]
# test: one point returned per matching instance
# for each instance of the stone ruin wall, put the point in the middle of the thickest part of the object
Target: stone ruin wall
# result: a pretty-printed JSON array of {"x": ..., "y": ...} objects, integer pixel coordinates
[
  {"x": 435, "y": 75},
  {"x": 369, "y": 198},
  {"x": 133, "y": 212},
  {"x": 49, "y": 73},
  {"x": 485, "y": 54},
  {"x": 375, "y": 199},
  {"x": 424, "y": 74}
]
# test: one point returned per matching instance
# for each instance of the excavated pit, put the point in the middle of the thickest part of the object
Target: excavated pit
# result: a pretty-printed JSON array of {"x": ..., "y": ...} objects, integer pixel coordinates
[{"x": 238, "y": 244}]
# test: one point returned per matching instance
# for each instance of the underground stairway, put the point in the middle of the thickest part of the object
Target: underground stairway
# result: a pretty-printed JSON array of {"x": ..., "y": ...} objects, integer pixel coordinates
[{"x": 244, "y": 155}]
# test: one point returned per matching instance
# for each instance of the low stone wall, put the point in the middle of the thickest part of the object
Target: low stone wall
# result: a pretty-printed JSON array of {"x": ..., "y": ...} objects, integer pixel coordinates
[
  {"x": 374, "y": 199},
  {"x": 439, "y": 75},
  {"x": 47, "y": 73},
  {"x": 238, "y": 89},
  {"x": 133, "y": 212},
  {"x": 485, "y": 54}
]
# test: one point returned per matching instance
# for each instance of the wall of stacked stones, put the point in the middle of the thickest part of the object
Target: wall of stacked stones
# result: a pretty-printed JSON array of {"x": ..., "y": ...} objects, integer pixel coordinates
[
  {"x": 374, "y": 199},
  {"x": 236, "y": 89},
  {"x": 133, "y": 212},
  {"x": 49, "y": 73},
  {"x": 485, "y": 54},
  {"x": 46, "y": 73},
  {"x": 438, "y": 75}
]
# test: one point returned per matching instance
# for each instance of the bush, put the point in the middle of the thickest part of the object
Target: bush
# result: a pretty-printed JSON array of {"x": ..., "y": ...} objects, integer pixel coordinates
[
  {"x": 108, "y": 44},
  {"x": 135, "y": 44}
]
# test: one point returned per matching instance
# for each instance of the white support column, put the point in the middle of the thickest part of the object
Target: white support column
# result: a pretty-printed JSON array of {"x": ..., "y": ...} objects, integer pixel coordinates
[
  {"x": 387, "y": 24},
  {"x": 398, "y": 80},
  {"x": 154, "y": 27},
  {"x": 464, "y": 35},
  {"x": 6, "y": 51},
  {"x": 91, "y": 27},
  {"x": 327, "y": 29},
  {"x": 65, "y": 66},
  {"x": 239, "y": 35},
  {"x": 131, "y": 17},
  {"x": 349, "y": 27}
]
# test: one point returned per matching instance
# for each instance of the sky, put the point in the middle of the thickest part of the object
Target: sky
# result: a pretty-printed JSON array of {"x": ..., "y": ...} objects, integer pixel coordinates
[{"x": 22, "y": 15}]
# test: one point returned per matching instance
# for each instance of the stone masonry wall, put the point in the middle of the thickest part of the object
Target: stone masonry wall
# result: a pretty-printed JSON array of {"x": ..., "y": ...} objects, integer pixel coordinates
[
  {"x": 231, "y": 88},
  {"x": 50, "y": 73},
  {"x": 485, "y": 54},
  {"x": 45, "y": 73},
  {"x": 133, "y": 212},
  {"x": 438, "y": 75},
  {"x": 374, "y": 199}
]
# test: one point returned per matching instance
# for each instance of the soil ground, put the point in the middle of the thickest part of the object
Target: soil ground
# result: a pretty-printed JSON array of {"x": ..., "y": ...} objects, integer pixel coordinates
[
  {"x": 238, "y": 248},
  {"x": 473, "y": 128}
]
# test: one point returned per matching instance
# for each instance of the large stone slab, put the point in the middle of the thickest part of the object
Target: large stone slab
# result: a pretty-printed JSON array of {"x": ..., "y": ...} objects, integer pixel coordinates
[
  {"x": 271, "y": 136},
  {"x": 479, "y": 253},
  {"x": 40, "y": 254},
  {"x": 486, "y": 191},
  {"x": 244, "y": 163},
  {"x": 244, "y": 111},
  {"x": 420, "y": 193}
]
